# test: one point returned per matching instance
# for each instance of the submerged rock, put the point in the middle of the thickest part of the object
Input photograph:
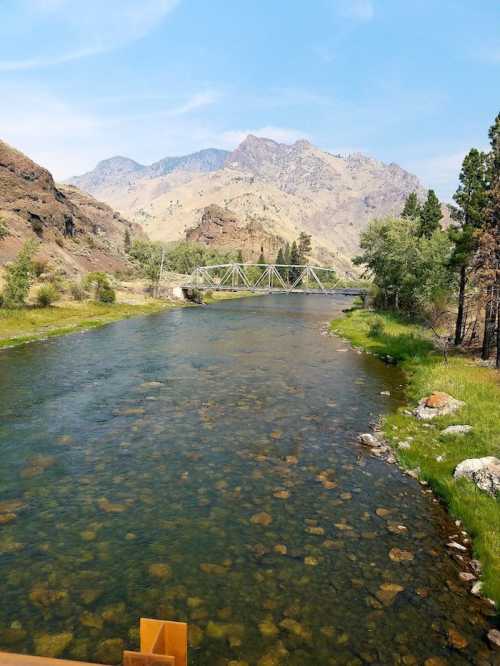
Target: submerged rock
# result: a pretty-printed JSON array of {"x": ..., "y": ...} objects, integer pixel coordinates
[
  {"x": 398, "y": 555},
  {"x": 52, "y": 645},
  {"x": 110, "y": 651},
  {"x": 456, "y": 640},
  {"x": 484, "y": 472},
  {"x": 160, "y": 570},
  {"x": 261, "y": 518},
  {"x": 437, "y": 404}
]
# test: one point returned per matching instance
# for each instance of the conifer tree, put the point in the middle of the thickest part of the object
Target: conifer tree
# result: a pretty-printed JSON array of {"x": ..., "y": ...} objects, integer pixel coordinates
[
  {"x": 471, "y": 199},
  {"x": 280, "y": 260},
  {"x": 127, "y": 242},
  {"x": 411, "y": 208},
  {"x": 239, "y": 257},
  {"x": 430, "y": 215},
  {"x": 294, "y": 260},
  {"x": 304, "y": 247}
]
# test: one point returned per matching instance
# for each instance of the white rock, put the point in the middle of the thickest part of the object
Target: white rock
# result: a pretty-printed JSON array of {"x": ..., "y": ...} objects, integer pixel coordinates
[
  {"x": 404, "y": 445},
  {"x": 484, "y": 472},
  {"x": 494, "y": 638},
  {"x": 369, "y": 440},
  {"x": 439, "y": 458},
  {"x": 385, "y": 393},
  {"x": 456, "y": 430},
  {"x": 456, "y": 546},
  {"x": 476, "y": 588},
  {"x": 466, "y": 576}
]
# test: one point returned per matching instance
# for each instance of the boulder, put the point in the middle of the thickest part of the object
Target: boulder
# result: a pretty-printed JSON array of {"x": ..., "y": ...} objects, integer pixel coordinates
[
  {"x": 456, "y": 430},
  {"x": 437, "y": 404},
  {"x": 494, "y": 638},
  {"x": 484, "y": 472},
  {"x": 369, "y": 440}
]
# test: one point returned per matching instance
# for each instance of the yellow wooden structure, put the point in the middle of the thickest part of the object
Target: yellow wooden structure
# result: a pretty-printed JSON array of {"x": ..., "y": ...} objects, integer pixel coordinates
[{"x": 163, "y": 643}]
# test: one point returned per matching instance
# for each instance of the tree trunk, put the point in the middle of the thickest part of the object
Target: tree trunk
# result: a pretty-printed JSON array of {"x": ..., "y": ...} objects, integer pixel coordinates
[
  {"x": 459, "y": 326},
  {"x": 490, "y": 317}
]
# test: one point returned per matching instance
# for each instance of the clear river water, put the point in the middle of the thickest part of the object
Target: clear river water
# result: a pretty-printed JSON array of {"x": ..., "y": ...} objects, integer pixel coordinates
[{"x": 202, "y": 465}]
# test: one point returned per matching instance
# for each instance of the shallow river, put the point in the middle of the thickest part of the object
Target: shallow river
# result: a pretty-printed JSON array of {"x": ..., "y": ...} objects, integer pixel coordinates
[{"x": 202, "y": 465}]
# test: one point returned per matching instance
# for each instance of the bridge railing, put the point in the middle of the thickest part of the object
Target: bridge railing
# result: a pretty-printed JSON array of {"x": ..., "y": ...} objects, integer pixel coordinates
[{"x": 264, "y": 277}]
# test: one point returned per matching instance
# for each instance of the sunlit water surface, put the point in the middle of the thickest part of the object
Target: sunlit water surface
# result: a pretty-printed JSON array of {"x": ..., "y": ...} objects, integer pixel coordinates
[{"x": 202, "y": 465}]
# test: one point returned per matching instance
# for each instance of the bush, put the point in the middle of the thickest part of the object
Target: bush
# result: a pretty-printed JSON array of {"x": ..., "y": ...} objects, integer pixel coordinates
[
  {"x": 19, "y": 276},
  {"x": 40, "y": 267},
  {"x": 77, "y": 291},
  {"x": 4, "y": 232},
  {"x": 377, "y": 328},
  {"x": 46, "y": 295},
  {"x": 103, "y": 291},
  {"x": 107, "y": 294}
]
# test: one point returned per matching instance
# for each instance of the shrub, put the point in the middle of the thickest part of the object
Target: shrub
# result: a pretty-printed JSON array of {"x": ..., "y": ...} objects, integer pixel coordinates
[
  {"x": 46, "y": 295},
  {"x": 107, "y": 294},
  {"x": 40, "y": 267},
  {"x": 377, "y": 327},
  {"x": 4, "y": 232},
  {"x": 37, "y": 226},
  {"x": 103, "y": 291},
  {"x": 77, "y": 291},
  {"x": 19, "y": 276}
]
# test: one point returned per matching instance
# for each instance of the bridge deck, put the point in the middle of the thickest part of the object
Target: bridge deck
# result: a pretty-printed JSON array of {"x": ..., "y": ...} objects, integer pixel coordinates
[{"x": 338, "y": 291}]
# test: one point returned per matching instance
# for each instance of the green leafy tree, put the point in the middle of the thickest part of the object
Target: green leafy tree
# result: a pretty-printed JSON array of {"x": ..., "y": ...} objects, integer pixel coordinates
[
  {"x": 430, "y": 215},
  {"x": 411, "y": 208},
  {"x": 19, "y": 276},
  {"x": 99, "y": 282},
  {"x": 471, "y": 200}
]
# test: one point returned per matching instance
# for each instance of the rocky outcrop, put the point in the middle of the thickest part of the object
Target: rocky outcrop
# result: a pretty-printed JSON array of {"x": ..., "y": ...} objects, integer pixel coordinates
[
  {"x": 75, "y": 231},
  {"x": 456, "y": 430},
  {"x": 222, "y": 228},
  {"x": 437, "y": 404},
  {"x": 484, "y": 472}
]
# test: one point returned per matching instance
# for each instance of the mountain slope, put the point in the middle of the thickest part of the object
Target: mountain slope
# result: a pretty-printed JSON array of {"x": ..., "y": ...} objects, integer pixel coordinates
[
  {"x": 286, "y": 189},
  {"x": 122, "y": 171},
  {"x": 76, "y": 232}
]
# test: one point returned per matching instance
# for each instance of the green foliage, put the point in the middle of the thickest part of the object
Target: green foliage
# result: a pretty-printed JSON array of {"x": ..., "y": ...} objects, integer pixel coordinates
[
  {"x": 46, "y": 295},
  {"x": 77, "y": 291},
  {"x": 377, "y": 327},
  {"x": 4, "y": 232},
  {"x": 239, "y": 257},
  {"x": 19, "y": 277},
  {"x": 304, "y": 247},
  {"x": 294, "y": 260},
  {"x": 411, "y": 208},
  {"x": 127, "y": 241},
  {"x": 411, "y": 271},
  {"x": 430, "y": 215},
  {"x": 99, "y": 282}
]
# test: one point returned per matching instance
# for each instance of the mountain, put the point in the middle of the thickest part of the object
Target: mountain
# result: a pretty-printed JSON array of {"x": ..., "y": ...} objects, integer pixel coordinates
[
  {"x": 124, "y": 171},
  {"x": 283, "y": 189},
  {"x": 76, "y": 232}
]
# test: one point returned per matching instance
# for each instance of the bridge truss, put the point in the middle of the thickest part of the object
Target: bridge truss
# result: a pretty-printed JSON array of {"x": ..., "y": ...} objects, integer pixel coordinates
[{"x": 269, "y": 278}]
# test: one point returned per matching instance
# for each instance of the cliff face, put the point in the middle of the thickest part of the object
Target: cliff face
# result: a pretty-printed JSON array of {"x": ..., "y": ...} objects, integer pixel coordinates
[
  {"x": 222, "y": 228},
  {"x": 283, "y": 189},
  {"x": 75, "y": 231}
]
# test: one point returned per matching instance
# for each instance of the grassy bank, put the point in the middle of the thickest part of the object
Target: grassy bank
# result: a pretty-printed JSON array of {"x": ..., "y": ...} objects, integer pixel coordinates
[
  {"x": 31, "y": 323},
  {"x": 411, "y": 347}
]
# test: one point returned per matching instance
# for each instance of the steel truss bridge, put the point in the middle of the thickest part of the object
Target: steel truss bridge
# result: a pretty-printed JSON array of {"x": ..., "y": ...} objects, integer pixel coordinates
[{"x": 269, "y": 278}]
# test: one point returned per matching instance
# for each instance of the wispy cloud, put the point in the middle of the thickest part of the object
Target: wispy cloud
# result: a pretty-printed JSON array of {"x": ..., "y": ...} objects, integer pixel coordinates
[
  {"x": 358, "y": 10},
  {"x": 488, "y": 54},
  {"x": 197, "y": 101},
  {"x": 83, "y": 28}
]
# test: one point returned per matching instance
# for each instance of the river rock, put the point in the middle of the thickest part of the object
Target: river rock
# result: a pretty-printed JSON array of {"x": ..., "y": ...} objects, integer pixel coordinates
[
  {"x": 456, "y": 640},
  {"x": 261, "y": 518},
  {"x": 456, "y": 430},
  {"x": 494, "y": 638},
  {"x": 437, "y": 404},
  {"x": 366, "y": 439},
  {"x": 52, "y": 645},
  {"x": 484, "y": 472}
]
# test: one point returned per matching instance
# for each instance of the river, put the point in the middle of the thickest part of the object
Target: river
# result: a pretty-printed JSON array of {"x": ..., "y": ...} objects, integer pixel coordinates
[{"x": 202, "y": 465}]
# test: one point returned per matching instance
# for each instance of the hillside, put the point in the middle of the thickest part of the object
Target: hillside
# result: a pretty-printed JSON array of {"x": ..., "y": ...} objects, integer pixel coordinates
[
  {"x": 76, "y": 232},
  {"x": 284, "y": 189}
]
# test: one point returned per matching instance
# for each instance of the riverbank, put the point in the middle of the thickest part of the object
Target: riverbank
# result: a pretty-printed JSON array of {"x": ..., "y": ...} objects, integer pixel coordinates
[
  {"x": 27, "y": 324},
  {"x": 410, "y": 346},
  {"x": 23, "y": 325}
]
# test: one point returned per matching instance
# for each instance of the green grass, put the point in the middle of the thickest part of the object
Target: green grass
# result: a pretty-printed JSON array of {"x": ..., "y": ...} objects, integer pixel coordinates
[
  {"x": 32, "y": 323},
  {"x": 411, "y": 347}
]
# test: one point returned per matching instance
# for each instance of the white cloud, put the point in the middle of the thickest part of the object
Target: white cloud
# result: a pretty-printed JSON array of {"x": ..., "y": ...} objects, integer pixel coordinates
[
  {"x": 358, "y": 10},
  {"x": 232, "y": 138},
  {"x": 197, "y": 101},
  {"x": 82, "y": 27},
  {"x": 488, "y": 54}
]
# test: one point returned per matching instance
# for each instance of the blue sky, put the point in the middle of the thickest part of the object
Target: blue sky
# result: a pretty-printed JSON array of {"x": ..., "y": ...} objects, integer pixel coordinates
[{"x": 413, "y": 82}]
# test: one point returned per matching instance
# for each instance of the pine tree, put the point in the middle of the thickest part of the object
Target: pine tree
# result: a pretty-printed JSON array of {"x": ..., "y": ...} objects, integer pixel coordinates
[
  {"x": 304, "y": 247},
  {"x": 280, "y": 260},
  {"x": 430, "y": 215},
  {"x": 262, "y": 259},
  {"x": 127, "y": 242},
  {"x": 239, "y": 257},
  {"x": 411, "y": 210},
  {"x": 471, "y": 199},
  {"x": 294, "y": 260}
]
